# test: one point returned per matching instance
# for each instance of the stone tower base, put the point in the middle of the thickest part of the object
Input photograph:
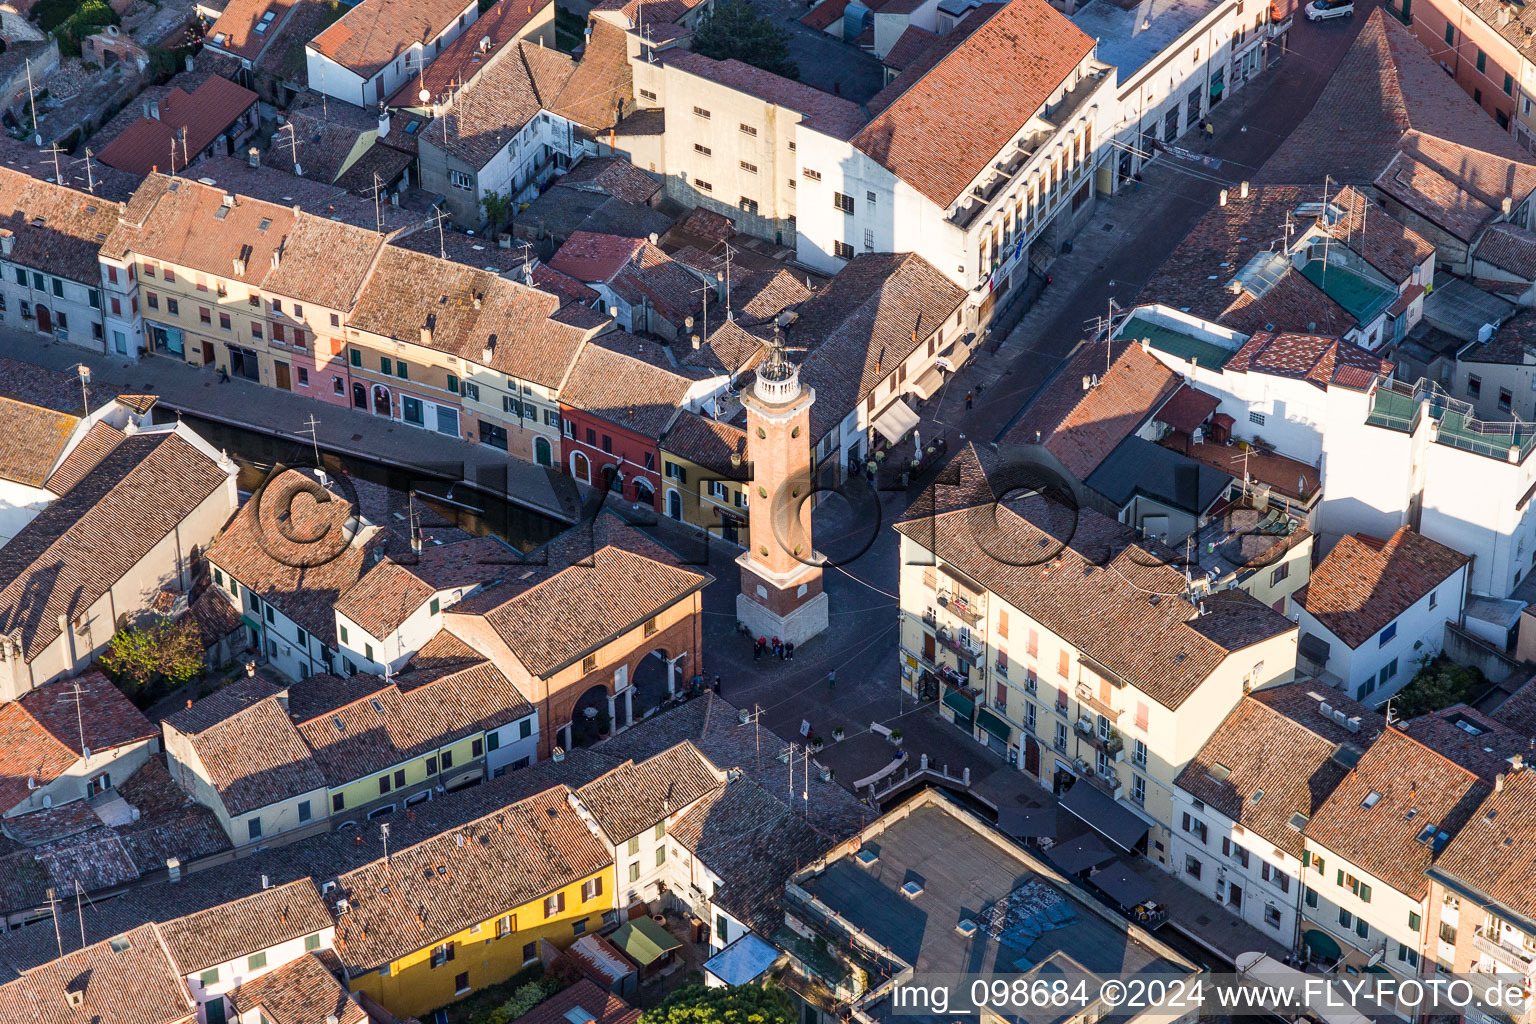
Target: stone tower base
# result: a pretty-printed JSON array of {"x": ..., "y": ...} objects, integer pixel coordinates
[{"x": 795, "y": 627}]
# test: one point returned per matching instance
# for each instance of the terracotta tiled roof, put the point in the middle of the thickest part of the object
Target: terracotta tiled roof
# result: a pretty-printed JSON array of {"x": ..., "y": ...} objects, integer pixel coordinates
[
  {"x": 55, "y": 229},
  {"x": 99, "y": 442},
  {"x": 1274, "y": 758},
  {"x": 376, "y": 32},
  {"x": 603, "y": 1006},
  {"x": 601, "y": 87},
  {"x": 1475, "y": 741},
  {"x": 1361, "y": 587},
  {"x": 873, "y": 314},
  {"x": 1494, "y": 855},
  {"x": 221, "y": 704},
  {"x": 256, "y": 757},
  {"x": 408, "y": 718},
  {"x": 204, "y": 114},
  {"x": 87, "y": 540},
  {"x": 599, "y": 582},
  {"x": 1383, "y": 839},
  {"x": 133, "y": 985},
  {"x": 730, "y": 349},
  {"x": 409, "y": 291},
  {"x": 439, "y": 887},
  {"x": 1288, "y": 476},
  {"x": 229, "y": 931},
  {"x": 1434, "y": 196},
  {"x": 1518, "y": 710},
  {"x": 462, "y": 60},
  {"x": 1510, "y": 248},
  {"x": 634, "y": 797},
  {"x": 519, "y": 82},
  {"x": 1197, "y": 276},
  {"x": 300, "y": 992},
  {"x": 587, "y": 256},
  {"x": 1188, "y": 408},
  {"x": 967, "y": 483},
  {"x": 626, "y": 381},
  {"x": 1386, "y": 244},
  {"x": 244, "y": 29},
  {"x": 753, "y": 842},
  {"x": 824, "y": 14},
  {"x": 303, "y": 581},
  {"x": 611, "y": 176},
  {"x": 909, "y": 46},
  {"x": 708, "y": 443},
  {"x": 992, "y": 83},
  {"x": 1082, "y": 427},
  {"x": 34, "y": 438},
  {"x": 828, "y": 114},
  {"x": 391, "y": 591},
  {"x": 1086, "y": 578},
  {"x": 1386, "y": 85},
  {"x": 1319, "y": 359},
  {"x": 654, "y": 281}
]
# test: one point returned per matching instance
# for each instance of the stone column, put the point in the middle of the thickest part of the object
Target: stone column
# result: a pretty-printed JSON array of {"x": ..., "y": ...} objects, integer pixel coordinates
[
  {"x": 613, "y": 723},
  {"x": 629, "y": 707}
]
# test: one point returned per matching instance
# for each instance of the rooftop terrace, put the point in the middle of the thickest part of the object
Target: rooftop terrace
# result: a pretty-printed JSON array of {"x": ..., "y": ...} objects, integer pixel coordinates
[
  {"x": 1396, "y": 405},
  {"x": 1361, "y": 297},
  {"x": 1131, "y": 33},
  {"x": 1182, "y": 344}
]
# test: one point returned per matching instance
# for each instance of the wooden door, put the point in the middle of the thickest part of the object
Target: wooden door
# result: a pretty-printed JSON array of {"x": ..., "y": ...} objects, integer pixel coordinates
[
  {"x": 44, "y": 320},
  {"x": 928, "y": 650},
  {"x": 1032, "y": 757},
  {"x": 207, "y": 353},
  {"x": 283, "y": 381}
]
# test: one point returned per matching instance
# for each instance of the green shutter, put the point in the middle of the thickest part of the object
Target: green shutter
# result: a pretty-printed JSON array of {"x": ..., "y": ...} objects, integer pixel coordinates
[
  {"x": 357, "y": 357},
  {"x": 1341, "y": 878}
]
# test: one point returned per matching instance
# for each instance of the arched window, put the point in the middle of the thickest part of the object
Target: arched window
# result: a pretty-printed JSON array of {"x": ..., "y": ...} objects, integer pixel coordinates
[{"x": 543, "y": 454}]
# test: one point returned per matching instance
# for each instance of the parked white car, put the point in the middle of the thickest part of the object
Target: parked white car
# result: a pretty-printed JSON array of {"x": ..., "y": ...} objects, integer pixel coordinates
[{"x": 1322, "y": 10}]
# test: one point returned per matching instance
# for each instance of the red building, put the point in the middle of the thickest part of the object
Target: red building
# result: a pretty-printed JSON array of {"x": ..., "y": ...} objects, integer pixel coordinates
[{"x": 615, "y": 406}]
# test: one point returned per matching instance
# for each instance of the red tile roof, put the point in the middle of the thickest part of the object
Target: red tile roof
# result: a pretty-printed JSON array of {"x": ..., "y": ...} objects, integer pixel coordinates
[
  {"x": 1510, "y": 248},
  {"x": 1361, "y": 587},
  {"x": 134, "y": 984},
  {"x": 1494, "y": 855},
  {"x": 1318, "y": 359},
  {"x": 824, "y": 14},
  {"x": 908, "y": 47},
  {"x": 587, "y": 256},
  {"x": 376, "y": 32},
  {"x": 828, "y": 114},
  {"x": 244, "y": 29},
  {"x": 603, "y": 1006},
  {"x": 1415, "y": 789},
  {"x": 300, "y": 992},
  {"x": 950, "y": 122},
  {"x": 1188, "y": 408},
  {"x": 463, "y": 59},
  {"x": 204, "y": 114},
  {"x": 1082, "y": 427}
]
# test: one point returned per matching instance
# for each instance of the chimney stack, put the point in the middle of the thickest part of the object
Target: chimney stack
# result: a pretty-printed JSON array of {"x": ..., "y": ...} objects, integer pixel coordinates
[{"x": 253, "y": 157}]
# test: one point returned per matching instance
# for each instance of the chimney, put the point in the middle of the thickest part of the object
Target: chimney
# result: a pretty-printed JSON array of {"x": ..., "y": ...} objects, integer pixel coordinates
[
  {"x": 384, "y": 123},
  {"x": 173, "y": 866},
  {"x": 426, "y": 330},
  {"x": 1517, "y": 762},
  {"x": 229, "y": 200},
  {"x": 250, "y": 668},
  {"x": 416, "y": 542},
  {"x": 239, "y": 266},
  {"x": 253, "y": 157},
  {"x": 152, "y": 109},
  {"x": 277, "y": 258},
  {"x": 7, "y": 241},
  {"x": 1242, "y": 190},
  {"x": 1498, "y": 783}
]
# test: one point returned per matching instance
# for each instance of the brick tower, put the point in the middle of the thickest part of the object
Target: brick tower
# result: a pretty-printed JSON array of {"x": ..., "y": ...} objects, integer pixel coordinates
[{"x": 781, "y": 593}]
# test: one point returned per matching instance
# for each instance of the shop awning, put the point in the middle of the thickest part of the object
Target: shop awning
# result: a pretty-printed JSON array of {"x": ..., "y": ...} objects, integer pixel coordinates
[
  {"x": 994, "y": 725},
  {"x": 1121, "y": 884},
  {"x": 644, "y": 941},
  {"x": 1028, "y": 822},
  {"x": 1321, "y": 943},
  {"x": 1105, "y": 815},
  {"x": 960, "y": 704},
  {"x": 1080, "y": 854},
  {"x": 251, "y": 621},
  {"x": 1216, "y": 88},
  {"x": 896, "y": 421},
  {"x": 926, "y": 386}
]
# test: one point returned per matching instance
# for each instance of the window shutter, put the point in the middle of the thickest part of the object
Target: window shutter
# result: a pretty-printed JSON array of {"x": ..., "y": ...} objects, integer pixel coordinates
[
  {"x": 1341, "y": 878},
  {"x": 930, "y": 578}
]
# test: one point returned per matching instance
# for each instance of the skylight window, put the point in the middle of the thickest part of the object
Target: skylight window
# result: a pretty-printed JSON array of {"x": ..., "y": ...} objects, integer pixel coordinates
[{"x": 1371, "y": 799}]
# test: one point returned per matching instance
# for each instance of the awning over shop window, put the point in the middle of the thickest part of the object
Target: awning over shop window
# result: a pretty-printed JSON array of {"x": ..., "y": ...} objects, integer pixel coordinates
[
  {"x": 251, "y": 621},
  {"x": 960, "y": 704},
  {"x": 1321, "y": 943},
  {"x": 894, "y": 423},
  {"x": 1123, "y": 885},
  {"x": 1105, "y": 815},
  {"x": 994, "y": 725},
  {"x": 926, "y": 386},
  {"x": 1080, "y": 854}
]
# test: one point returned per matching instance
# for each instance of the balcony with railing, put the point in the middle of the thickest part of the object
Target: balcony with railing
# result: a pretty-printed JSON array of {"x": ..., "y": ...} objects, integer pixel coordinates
[
  {"x": 1518, "y": 958},
  {"x": 1398, "y": 405},
  {"x": 970, "y": 651},
  {"x": 1112, "y": 745},
  {"x": 968, "y": 608}
]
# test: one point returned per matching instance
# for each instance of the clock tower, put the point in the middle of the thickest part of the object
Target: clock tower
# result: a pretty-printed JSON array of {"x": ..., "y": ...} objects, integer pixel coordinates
[{"x": 781, "y": 593}]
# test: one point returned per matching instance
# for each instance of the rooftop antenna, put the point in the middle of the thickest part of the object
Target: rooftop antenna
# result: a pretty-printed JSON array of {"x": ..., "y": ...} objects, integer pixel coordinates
[
  {"x": 293, "y": 146},
  {"x": 80, "y": 911},
  {"x": 173, "y": 155},
  {"x": 384, "y": 836},
  {"x": 729, "y": 313},
  {"x": 311, "y": 426},
  {"x": 90, "y": 178},
  {"x": 442, "y": 247},
  {"x": 37, "y": 136},
  {"x": 85, "y": 396},
  {"x": 58, "y": 175},
  {"x": 53, "y": 908},
  {"x": 78, "y": 697},
  {"x": 704, "y": 292},
  {"x": 378, "y": 212},
  {"x": 185, "y": 160}
]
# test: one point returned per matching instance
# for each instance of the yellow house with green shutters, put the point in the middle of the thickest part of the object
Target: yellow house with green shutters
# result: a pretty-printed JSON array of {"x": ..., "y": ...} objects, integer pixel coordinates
[{"x": 466, "y": 909}]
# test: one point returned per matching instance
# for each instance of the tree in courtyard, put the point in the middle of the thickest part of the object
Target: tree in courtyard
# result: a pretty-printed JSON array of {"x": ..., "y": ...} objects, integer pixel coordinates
[
  {"x": 164, "y": 650},
  {"x": 498, "y": 210},
  {"x": 732, "y": 1004},
  {"x": 735, "y": 29}
]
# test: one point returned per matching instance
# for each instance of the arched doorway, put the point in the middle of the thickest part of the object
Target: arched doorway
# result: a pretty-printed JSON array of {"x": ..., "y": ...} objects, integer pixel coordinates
[
  {"x": 359, "y": 397},
  {"x": 581, "y": 467},
  {"x": 652, "y": 683},
  {"x": 674, "y": 505},
  {"x": 381, "y": 403},
  {"x": 645, "y": 494},
  {"x": 543, "y": 452},
  {"x": 589, "y": 718}
]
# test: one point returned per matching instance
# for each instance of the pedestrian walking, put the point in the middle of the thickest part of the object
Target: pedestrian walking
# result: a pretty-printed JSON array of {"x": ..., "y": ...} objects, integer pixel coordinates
[
  {"x": 969, "y": 398},
  {"x": 832, "y": 680},
  {"x": 789, "y": 650},
  {"x": 757, "y": 649},
  {"x": 717, "y": 686}
]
